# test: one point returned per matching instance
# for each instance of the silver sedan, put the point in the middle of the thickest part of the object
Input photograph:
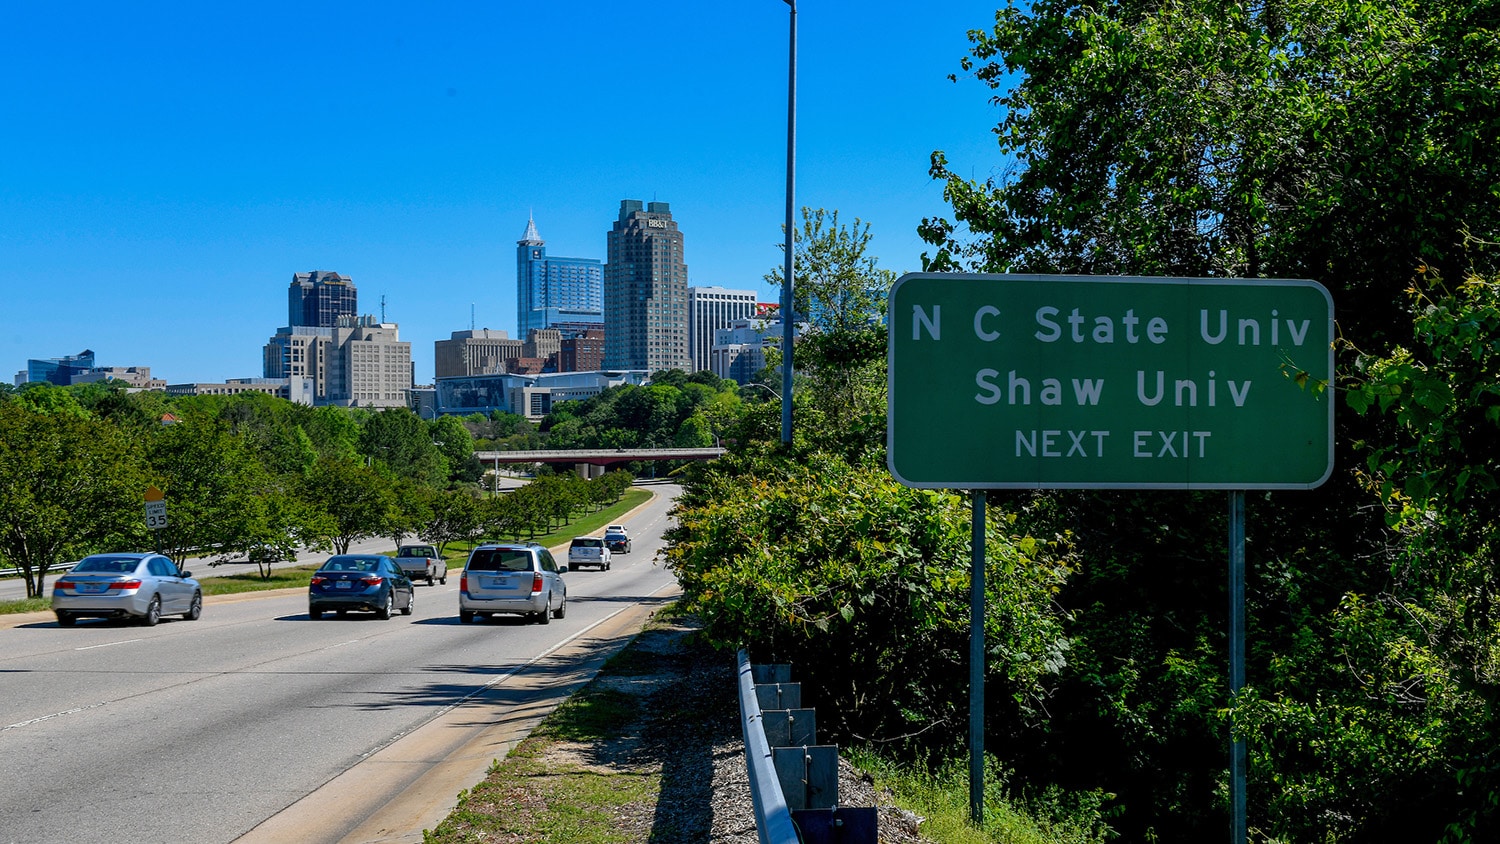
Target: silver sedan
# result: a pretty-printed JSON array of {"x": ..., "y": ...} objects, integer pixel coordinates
[{"x": 140, "y": 586}]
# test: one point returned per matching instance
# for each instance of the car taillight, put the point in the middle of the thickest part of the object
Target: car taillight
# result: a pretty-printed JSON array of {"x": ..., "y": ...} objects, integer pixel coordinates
[
  {"x": 125, "y": 584},
  {"x": 463, "y": 582},
  {"x": 63, "y": 584},
  {"x": 372, "y": 580},
  {"x": 319, "y": 580},
  {"x": 536, "y": 583}
]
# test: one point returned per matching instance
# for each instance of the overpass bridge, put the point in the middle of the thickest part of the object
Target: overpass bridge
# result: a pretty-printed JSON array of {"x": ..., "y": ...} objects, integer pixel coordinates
[{"x": 591, "y": 462}]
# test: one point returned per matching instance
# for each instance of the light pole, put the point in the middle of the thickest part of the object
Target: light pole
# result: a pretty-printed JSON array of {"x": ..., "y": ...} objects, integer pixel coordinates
[{"x": 791, "y": 174}]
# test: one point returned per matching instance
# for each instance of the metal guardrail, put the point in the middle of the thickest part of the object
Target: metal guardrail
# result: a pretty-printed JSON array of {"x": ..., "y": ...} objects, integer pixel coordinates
[
  {"x": 794, "y": 781},
  {"x": 773, "y": 820}
]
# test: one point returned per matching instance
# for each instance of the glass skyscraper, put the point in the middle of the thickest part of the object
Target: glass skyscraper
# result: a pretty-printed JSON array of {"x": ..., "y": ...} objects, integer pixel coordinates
[{"x": 552, "y": 291}]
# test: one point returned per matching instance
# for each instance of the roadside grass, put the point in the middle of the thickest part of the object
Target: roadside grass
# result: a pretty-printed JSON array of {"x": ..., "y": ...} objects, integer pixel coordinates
[
  {"x": 528, "y": 797},
  {"x": 941, "y": 798},
  {"x": 298, "y": 576},
  {"x": 586, "y": 775}
]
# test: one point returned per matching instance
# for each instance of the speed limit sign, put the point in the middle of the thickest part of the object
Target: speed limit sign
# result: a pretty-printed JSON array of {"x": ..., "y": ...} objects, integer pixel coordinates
[{"x": 156, "y": 509}]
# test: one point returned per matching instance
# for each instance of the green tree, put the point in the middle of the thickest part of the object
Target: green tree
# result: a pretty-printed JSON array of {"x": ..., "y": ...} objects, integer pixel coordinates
[
  {"x": 352, "y": 502},
  {"x": 399, "y": 440},
  {"x": 1343, "y": 142},
  {"x": 456, "y": 517},
  {"x": 839, "y": 286},
  {"x": 453, "y": 440},
  {"x": 69, "y": 486},
  {"x": 218, "y": 492}
]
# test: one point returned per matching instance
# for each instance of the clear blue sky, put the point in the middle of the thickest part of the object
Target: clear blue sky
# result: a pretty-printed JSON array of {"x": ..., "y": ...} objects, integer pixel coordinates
[{"x": 166, "y": 168}]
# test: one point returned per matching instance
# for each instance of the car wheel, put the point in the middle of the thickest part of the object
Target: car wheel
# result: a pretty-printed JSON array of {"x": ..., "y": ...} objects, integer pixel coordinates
[
  {"x": 315, "y": 615},
  {"x": 444, "y": 579},
  {"x": 465, "y": 616},
  {"x": 545, "y": 616},
  {"x": 562, "y": 609},
  {"x": 430, "y": 579},
  {"x": 386, "y": 608},
  {"x": 607, "y": 565},
  {"x": 66, "y": 619},
  {"x": 411, "y": 603},
  {"x": 153, "y": 612},
  {"x": 195, "y": 610}
]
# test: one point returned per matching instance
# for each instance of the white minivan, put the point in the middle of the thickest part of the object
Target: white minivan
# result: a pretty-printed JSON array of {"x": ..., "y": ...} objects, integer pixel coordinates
[{"x": 516, "y": 578}]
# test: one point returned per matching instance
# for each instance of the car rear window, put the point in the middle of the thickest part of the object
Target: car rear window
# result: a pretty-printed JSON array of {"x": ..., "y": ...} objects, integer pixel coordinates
[
  {"x": 352, "y": 564},
  {"x": 108, "y": 565},
  {"x": 587, "y": 542},
  {"x": 416, "y": 552},
  {"x": 500, "y": 559}
]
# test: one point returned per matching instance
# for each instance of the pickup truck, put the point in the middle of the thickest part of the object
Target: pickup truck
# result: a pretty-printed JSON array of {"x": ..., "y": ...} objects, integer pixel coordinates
[
  {"x": 589, "y": 551},
  {"x": 420, "y": 562}
]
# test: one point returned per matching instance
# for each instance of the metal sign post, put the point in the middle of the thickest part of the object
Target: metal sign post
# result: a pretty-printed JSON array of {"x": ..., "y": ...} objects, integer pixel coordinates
[
  {"x": 156, "y": 513},
  {"x": 1237, "y": 762},
  {"x": 976, "y": 665}
]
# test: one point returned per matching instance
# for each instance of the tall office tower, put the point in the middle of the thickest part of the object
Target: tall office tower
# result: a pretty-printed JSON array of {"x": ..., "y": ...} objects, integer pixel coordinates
[
  {"x": 551, "y": 290},
  {"x": 710, "y": 309},
  {"x": 645, "y": 291},
  {"x": 319, "y": 298}
]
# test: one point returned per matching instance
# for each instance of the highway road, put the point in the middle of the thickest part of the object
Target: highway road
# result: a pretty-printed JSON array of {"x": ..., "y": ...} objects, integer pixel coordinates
[{"x": 258, "y": 724}]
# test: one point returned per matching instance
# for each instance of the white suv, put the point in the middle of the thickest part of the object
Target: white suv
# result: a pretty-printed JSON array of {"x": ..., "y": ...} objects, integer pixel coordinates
[{"x": 589, "y": 551}]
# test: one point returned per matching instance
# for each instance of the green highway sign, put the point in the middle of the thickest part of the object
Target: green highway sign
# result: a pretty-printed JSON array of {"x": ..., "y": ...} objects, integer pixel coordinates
[{"x": 1040, "y": 381}]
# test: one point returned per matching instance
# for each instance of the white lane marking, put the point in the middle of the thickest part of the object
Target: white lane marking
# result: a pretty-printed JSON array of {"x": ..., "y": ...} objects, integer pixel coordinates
[
  {"x": 339, "y": 645},
  {"x": 31, "y": 721},
  {"x": 106, "y": 645}
]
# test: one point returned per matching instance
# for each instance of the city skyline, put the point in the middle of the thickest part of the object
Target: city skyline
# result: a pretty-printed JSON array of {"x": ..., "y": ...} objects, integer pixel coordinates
[{"x": 177, "y": 166}]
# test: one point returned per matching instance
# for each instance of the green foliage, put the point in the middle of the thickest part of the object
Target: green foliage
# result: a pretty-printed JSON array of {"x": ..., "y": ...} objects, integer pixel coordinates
[
  {"x": 400, "y": 442},
  {"x": 837, "y": 286},
  {"x": 863, "y": 583},
  {"x": 68, "y": 484},
  {"x": 674, "y": 410},
  {"x": 1337, "y": 141},
  {"x": 1345, "y": 142},
  {"x": 351, "y": 502},
  {"x": 218, "y": 494}
]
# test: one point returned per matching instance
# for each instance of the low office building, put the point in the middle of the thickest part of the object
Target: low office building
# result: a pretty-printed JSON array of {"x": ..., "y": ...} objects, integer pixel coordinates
[
  {"x": 739, "y": 351},
  {"x": 133, "y": 377},
  {"x": 531, "y": 396},
  {"x": 483, "y": 351},
  {"x": 299, "y": 390}
]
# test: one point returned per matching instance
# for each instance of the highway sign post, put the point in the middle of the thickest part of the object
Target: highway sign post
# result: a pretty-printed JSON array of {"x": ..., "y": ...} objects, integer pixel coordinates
[
  {"x": 1091, "y": 382},
  {"x": 156, "y": 513}
]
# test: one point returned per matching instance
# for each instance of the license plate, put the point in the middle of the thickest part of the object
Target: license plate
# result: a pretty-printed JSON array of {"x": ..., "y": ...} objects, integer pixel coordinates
[
  {"x": 342, "y": 584},
  {"x": 498, "y": 582},
  {"x": 92, "y": 588}
]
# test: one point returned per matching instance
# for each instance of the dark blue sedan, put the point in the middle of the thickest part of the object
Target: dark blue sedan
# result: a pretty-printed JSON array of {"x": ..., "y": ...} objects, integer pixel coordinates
[{"x": 368, "y": 582}]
